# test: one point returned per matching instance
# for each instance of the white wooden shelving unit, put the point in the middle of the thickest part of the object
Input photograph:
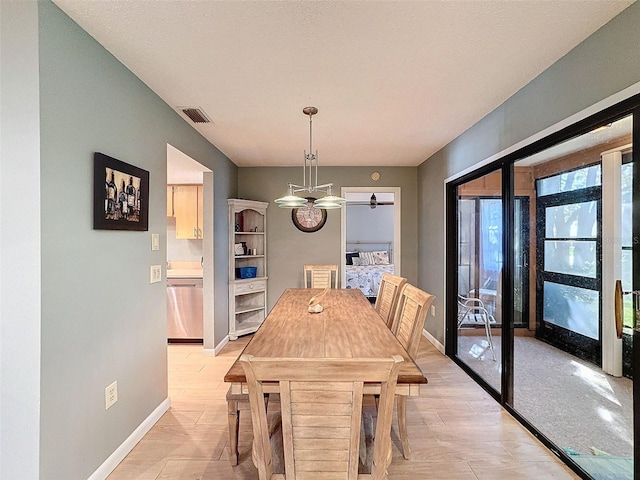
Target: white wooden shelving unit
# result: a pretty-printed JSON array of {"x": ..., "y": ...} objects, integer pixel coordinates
[{"x": 247, "y": 296}]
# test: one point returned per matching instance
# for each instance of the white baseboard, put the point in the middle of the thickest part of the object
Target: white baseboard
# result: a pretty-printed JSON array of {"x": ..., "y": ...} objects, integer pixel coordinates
[
  {"x": 221, "y": 345},
  {"x": 123, "y": 450},
  {"x": 214, "y": 352},
  {"x": 434, "y": 341}
]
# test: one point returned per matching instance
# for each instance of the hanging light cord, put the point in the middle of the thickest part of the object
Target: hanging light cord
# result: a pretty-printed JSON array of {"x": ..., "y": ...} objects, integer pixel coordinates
[{"x": 294, "y": 201}]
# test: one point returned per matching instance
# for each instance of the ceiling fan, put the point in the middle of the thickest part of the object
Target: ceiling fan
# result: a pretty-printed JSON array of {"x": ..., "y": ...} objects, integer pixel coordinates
[{"x": 372, "y": 203}]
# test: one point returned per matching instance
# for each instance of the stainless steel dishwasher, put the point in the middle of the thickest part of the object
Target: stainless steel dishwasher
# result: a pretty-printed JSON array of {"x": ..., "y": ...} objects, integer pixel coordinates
[{"x": 184, "y": 309}]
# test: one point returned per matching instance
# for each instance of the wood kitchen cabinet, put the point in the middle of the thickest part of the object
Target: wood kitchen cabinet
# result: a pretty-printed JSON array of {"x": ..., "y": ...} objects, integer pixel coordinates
[
  {"x": 186, "y": 207},
  {"x": 170, "y": 212}
]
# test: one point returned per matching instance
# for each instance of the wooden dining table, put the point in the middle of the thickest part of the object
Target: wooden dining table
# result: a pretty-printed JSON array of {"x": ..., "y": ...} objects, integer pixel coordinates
[{"x": 348, "y": 327}]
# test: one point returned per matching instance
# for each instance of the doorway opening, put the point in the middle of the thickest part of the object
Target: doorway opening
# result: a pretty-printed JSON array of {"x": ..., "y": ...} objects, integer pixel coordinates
[
  {"x": 370, "y": 237},
  {"x": 190, "y": 293}
]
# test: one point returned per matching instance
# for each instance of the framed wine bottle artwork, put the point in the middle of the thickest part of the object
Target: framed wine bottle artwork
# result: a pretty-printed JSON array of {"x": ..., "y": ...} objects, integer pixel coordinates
[{"x": 120, "y": 195}]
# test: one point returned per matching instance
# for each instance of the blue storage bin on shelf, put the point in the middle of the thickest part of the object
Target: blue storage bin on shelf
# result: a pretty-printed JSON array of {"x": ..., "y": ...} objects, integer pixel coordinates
[{"x": 246, "y": 272}]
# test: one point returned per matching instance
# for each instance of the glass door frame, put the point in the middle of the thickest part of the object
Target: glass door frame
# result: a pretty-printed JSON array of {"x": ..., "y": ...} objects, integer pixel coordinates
[
  {"x": 635, "y": 362},
  {"x": 630, "y": 106},
  {"x": 451, "y": 276}
]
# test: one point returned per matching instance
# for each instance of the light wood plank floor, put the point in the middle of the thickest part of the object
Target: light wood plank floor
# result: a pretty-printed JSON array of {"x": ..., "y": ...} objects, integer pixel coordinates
[{"x": 456, "y": 430}]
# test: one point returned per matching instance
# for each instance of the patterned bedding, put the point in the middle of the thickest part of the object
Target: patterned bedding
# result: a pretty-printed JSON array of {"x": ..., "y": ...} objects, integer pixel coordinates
[{"x": 366, "y": 278}]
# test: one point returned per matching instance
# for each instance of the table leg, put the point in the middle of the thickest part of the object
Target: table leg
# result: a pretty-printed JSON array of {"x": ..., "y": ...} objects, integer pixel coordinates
[
  {"x": 402, "y": 425},
  {"x": 233, "y": 413}
]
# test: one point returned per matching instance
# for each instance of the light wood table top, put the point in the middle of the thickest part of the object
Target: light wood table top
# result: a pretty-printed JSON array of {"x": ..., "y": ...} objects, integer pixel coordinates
[{"x": 349, "y": 327}]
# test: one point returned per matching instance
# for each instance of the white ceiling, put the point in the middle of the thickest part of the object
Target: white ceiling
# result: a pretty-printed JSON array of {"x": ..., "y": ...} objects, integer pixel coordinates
[{"x": 393, "y": 81}]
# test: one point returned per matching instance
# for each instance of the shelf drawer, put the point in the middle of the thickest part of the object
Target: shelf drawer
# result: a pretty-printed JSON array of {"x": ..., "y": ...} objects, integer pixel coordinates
[{"x": 249, "y": 287}]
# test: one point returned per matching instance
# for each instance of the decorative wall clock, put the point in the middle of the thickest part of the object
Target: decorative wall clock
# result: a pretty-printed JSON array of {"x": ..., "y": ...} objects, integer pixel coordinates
[{"x": 309, "y": 219}]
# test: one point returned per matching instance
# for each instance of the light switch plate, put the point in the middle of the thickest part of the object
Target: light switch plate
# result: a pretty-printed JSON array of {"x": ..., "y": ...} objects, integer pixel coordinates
[
  {"x": 155, "y": 274},
  {"x": 155, "y": 241}
]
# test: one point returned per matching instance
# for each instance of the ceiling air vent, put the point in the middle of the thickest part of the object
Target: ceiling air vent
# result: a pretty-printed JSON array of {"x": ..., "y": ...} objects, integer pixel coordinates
[{"x": 195, "y": 114}]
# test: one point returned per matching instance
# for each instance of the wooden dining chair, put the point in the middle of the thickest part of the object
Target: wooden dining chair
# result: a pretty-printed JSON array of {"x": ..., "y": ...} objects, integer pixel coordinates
[
  {"x": 320, "y": 276},
  {"x": 388, "y": 295},
  {"x": 408, "y": 323},
  {"x": 321, "y": 409}
]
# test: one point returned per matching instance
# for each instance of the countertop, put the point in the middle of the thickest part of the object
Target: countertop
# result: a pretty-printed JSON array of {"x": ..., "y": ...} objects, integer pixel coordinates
[{"x": 184, "y": 273}]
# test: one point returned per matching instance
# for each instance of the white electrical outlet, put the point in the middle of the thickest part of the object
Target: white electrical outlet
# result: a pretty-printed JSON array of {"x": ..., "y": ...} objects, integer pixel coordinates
[
  {"x": 155, "y": 273},
  {"x": 155, "y": 241},
  {"x": 110, "y": 395},
  {"x": 433, "y": 310}
]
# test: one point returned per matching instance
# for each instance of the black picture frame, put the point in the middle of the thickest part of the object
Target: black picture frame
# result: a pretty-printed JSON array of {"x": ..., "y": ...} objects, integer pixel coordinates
[{"x": 120, "y": 195}]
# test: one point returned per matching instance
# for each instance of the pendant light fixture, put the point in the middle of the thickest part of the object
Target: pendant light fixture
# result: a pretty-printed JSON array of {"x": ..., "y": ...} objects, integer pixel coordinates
[{"x": 310, "y": 168}]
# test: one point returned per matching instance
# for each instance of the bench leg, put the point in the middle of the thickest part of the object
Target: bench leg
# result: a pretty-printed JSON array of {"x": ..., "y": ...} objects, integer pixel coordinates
[{"x": 234, "y": 421}]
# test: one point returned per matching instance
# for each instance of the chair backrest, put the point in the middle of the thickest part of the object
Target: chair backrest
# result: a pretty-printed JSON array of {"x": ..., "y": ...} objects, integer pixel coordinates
[
  {"x": 321, "y": 408},
  {"x": 472, "y": 311},
  {"x": 413, "y": 306},
  {"x": 320, "y": 276},
  {"x": 388, "y": 295}
]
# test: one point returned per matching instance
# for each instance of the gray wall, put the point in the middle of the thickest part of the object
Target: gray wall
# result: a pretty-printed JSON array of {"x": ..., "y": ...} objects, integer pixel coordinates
[
  {"x": 289, "y": 249},
  {"x": 99, "y": 319},
  {"x": 367, "y": 224},
  {"x": 19, "y": 241},
  {"x": 605, "y": 63}
]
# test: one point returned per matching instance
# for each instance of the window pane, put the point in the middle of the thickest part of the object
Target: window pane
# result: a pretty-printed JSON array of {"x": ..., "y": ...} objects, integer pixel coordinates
[
  {"x": 572, "y": 257},
  {"x": 570, "y": 181},
  {"x": 491, "y": 241},
  {"x": 575, "y": 220},
  {"x": 466, "y": 244},
  {"x": 573, "y": 308}
]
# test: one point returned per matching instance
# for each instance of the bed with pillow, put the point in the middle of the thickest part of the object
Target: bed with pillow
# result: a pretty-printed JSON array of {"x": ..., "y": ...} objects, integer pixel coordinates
[{"x": 364, "y": 270}]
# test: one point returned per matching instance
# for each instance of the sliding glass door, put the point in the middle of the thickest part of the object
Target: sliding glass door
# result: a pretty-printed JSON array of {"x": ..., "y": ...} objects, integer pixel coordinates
[
  {"x": 479, "y": 274},
  {"x": 539, "y": 240},
  {"x": 480, "y": 261},
  {"x": 567, "y": 375}
]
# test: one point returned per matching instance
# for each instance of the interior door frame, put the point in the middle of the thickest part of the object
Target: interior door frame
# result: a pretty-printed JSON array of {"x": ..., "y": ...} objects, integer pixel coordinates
[{"x": 397, "y": 222}]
